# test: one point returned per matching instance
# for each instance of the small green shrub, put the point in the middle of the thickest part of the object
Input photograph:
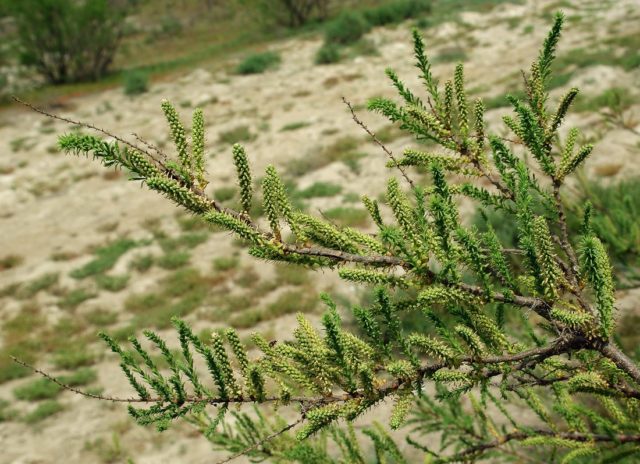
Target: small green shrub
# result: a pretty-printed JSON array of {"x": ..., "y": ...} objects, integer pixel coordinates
[
  {"x": 451, "y": 55},
  {"x": 6, "y": 413},
  {"x": 112, "y": 283},
  {"x": 294, "y": 126},
  {"x": 74, "y": 298},
  {"x": 9, "y": 370},
  {"x": 43, "y": 411},
  {"x": 225, "y": 263},
  {"x": 173, "y": 259},
  {"x": 346, "y": 29},
  {"x": 73, "y": 356},
  {"x": 396, "y": 11},
  {"x": 223, "y": 194},
  {"x": 101, "y": 317},
  {"x": 80, "y": 377},
  {"x": 142, "y": 263},
  {"x": 236, "y": 135},
  {"x": 329, "y": 53},
  {"x": 258, "y": 63},
  {"x": 320, "y": 189},
  {"x": 135, "y": 83},
  {"x": 39, "y": 389},
  {"x": 42, "y": 283},
  {"x": 106, "y": 258}
]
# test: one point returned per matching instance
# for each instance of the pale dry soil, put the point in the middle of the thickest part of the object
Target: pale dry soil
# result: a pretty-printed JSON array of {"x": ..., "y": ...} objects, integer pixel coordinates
[{"x": 52, "y": 204}]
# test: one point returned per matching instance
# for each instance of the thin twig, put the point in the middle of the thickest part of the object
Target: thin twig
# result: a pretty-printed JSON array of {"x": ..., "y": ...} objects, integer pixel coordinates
[{"x": 378, "y": 142}]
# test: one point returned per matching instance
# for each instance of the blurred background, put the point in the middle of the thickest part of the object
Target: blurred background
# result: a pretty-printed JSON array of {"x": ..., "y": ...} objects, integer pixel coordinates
[{"x": 83, "y": 249}]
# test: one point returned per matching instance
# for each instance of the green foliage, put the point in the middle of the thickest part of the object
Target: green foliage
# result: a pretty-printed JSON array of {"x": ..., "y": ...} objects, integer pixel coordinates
[
  {"x": 83, "y": 36},
  {"x": 225, "y": 263},
  {"x": 258, "y": 63},
  {"x": 135, "y": 83},
  {"x": 329, "y": 53},
  {"x": 173, "y": 259},
  {"x": 114, "y": 283},
  {"x": 513, "y": 340},
  {"x": 74, "y": 298},
  {"x": 346, "y": 29},
  {"x": 320, "y": 189},
  {"x": 106, "y": 258},
  {"x": 42, "y": 411},
  {"x": 396, "y": 11},
  {"x": 39, "y": 389},
  {"x": 236, "y": 135},
  {"x": 290, "y": 13}
]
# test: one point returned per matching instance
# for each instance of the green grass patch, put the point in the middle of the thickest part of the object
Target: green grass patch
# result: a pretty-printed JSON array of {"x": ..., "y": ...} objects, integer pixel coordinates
[
  {"x": 236, "y": 135},
  {"x": 106, "y": 258},
  {"x": 294, "y": 126},
  {"x": 113, "y": 283},
  {"x": 173, "y": 260},
  {"x": 225, "y": 263},
  {"x": 224, "y": 194},
  {"x": 451, "y": 55},
  {"x": 320, "y": 189},
  {"x": 75, "y": 298},
  {"x": 73, "y": 356},
  {"x": 44, "y": 282},
  {"x": 6, "y": 412},
  {"x": 39, "y": 389},
  {"x": 43, "y": 411},
  {"x": 142, "y": 263},
  {"x": 101, "y": 317},
  {"x": 258, "y": 63}
]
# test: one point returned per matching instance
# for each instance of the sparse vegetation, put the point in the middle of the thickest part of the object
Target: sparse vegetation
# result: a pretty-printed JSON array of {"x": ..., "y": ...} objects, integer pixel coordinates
[
  {"x": 225, "y": 263},
  {"x": 43, "y": 411},
  {"x": 173, "y": 259},
  {"x": 135, "y": 83},
  {"x": 10, "y": 261},
  {"x": 236, "y": 135},
  {"x": 346, "y": 29},
  {"x": 112, "y": 283},
  {"x": 106, "y": 258},
  {"x": 320, "y": 189},
  {"x": 329, "y": 53},
  {"x": 258, "y": 63}
]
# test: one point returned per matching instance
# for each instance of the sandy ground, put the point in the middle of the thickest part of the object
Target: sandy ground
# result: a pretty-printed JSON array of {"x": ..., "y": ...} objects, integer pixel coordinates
[{"x": 52, "y": 204}]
